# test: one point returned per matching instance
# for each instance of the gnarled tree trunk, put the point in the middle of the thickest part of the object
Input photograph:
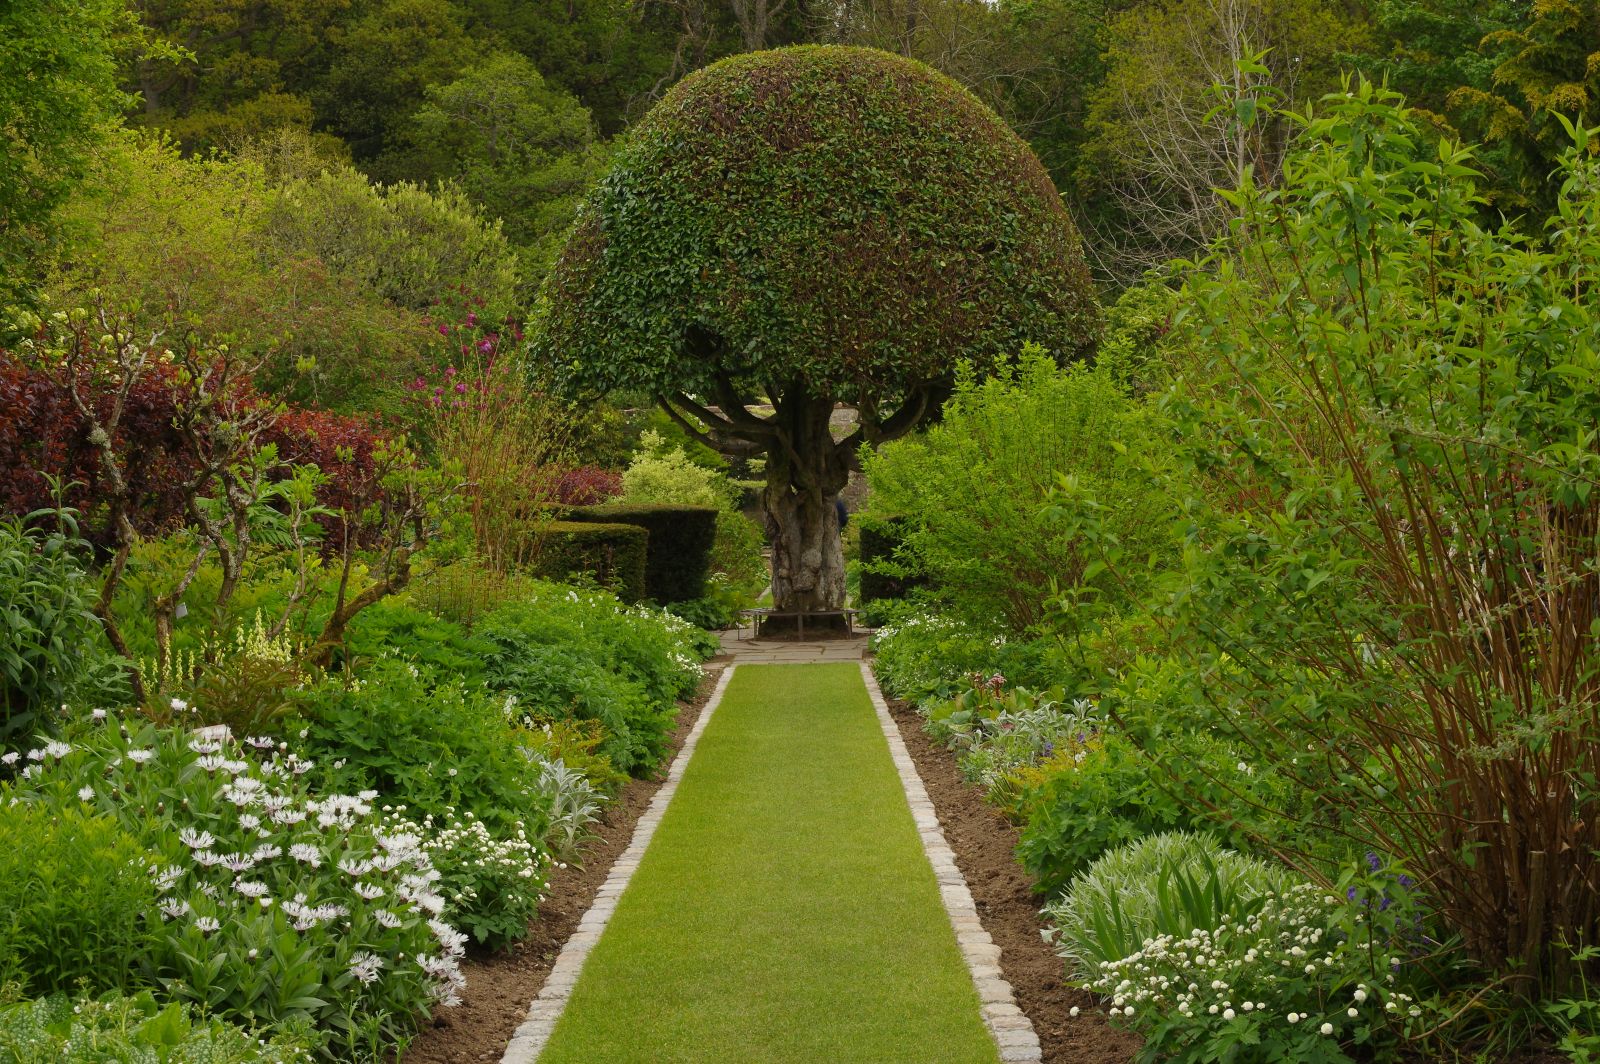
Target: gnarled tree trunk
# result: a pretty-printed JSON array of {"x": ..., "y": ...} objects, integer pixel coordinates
[{"x": 806, "y": 471}]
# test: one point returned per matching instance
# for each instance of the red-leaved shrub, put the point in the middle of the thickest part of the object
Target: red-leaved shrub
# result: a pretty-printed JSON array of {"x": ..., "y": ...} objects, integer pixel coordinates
[
  {"x": 42, "y": 435},
  {"x": 587, "y": 486}
]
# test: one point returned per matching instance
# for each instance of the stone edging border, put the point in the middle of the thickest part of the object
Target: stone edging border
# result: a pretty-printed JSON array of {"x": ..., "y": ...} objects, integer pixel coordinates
[
  {"x": 1012, "y": 1030},
  {"x": 530, "y": 1038}
]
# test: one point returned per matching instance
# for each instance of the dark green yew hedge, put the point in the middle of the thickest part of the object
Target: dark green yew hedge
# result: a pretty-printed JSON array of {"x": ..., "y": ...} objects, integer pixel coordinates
[
  {"x": 677, "y": 549},
  {"x": 612, "y": 553}
]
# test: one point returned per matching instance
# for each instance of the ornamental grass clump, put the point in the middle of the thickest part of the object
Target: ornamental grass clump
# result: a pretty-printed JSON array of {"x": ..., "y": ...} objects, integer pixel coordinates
[
  {"x": 275, "y": 904},
  {"x": 1215, "y": 955}
]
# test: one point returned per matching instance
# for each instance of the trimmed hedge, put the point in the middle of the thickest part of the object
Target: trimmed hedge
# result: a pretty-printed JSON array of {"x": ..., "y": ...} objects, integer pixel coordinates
[
  {"x": 678, "y": 548},
  {"x": 613, "y": 553},
  {"x": 883, "y": 576}
]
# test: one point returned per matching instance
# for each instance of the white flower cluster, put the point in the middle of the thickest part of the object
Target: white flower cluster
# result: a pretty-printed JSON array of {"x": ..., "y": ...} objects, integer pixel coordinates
[
  {"x": 1275, "y": 965},
  {"x": 263, "y": 842},
  {"x": 467, "y": 845}
]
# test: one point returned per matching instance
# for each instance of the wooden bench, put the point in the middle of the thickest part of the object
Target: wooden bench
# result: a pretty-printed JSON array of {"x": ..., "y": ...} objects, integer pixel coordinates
[{"x": 757, "y": 614}]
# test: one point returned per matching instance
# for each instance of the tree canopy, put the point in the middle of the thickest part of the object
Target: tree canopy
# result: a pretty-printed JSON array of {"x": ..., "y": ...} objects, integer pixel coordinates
[
  {"x": 831, "y": 220},
  {"x": 805, "y": 226}
]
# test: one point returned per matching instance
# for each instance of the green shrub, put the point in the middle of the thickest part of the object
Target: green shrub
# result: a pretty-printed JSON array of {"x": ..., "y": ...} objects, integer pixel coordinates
[
  {"x": 659, "y": 474},
  {"x": 984, "y": 513},
  {"x": 51, "y": 644},
  {"x": 736, "y": 556},
  {"x": 884, "y": 575},
  {"x": 650, "y": 647},
  {"x": 667, "y": 475},
  {"x": 924, "y": 655},
  {"x": 677, "y": 548},
  {"x": 76, "y": 898},
  {"x": 1168, "y": 884},
  {"x": 136, "y": 1030},
  {"x": 465, "y": 590},
  {"x": 326, "y": 921},
  {"x": 565, "y": 681},
  {"x": 612, "y": 554},
  {"x": 1131, "y": 350},
  {"x": 1073, "y": 811},
  {"x": 391, "y": 629},
  {"x": 713, "y": 613},
  {"x": 434, "y": 747}
]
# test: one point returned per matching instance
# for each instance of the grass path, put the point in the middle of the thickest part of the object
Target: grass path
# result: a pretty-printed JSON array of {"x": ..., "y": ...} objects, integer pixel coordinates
[{"x": 785, "y": 912}]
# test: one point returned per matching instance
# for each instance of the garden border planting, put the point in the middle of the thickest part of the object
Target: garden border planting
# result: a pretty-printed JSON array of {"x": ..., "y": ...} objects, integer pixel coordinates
[
  {"x": 985, "y": 846},
  {"x": 1012, "y": 1030},
  {"x": 529, "y": 1040}
]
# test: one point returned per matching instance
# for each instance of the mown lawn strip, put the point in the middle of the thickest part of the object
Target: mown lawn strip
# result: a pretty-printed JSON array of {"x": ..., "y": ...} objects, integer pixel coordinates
[{"x": 785, "y": 911}]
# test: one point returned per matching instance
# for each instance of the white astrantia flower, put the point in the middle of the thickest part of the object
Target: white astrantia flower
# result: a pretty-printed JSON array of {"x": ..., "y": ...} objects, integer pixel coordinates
[
  {"x": 57, "y": 749},
  {"x": 86, "y": 794}
]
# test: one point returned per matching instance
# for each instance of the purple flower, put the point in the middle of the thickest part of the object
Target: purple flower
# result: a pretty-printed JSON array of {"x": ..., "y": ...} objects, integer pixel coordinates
[{"x": 1373, "y": 863}]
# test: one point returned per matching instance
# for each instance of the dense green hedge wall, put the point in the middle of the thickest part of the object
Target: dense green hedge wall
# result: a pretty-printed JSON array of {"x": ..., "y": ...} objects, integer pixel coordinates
[
  {"x": 613, "y": 553},
  {"x": 678, "y": 550}
]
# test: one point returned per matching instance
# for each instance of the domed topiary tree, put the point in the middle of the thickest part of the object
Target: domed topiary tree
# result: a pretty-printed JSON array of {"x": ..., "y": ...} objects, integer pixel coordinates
[{"x": 804, "y": 227}]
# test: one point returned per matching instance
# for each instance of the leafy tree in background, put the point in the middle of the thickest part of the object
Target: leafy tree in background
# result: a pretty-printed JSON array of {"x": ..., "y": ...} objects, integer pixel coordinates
[
  {"x": 1547, "y": 63},
  {"x": 220, "y": 71},
  {"x": 808, "y": 226},
  {"x": 321, "y": 276},
  {"x": 57, "y": 89},
  {"x": 1159, "y": 145},
  {"x": 383, "y": 61},
  {"x": 522, "y": 149}
]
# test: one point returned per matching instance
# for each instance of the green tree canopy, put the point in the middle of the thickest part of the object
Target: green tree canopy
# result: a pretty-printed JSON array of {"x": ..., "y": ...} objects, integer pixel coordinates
[
  {"x": 522, "y": 148},
  {"x": 57, "y": 86},
  {"x": 807, "y": 226}
]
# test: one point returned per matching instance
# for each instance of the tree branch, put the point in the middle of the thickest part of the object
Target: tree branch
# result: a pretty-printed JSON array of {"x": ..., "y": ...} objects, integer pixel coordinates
[
  {"x": 732, "y": 446},
  {"x": 735, "y": 410}
]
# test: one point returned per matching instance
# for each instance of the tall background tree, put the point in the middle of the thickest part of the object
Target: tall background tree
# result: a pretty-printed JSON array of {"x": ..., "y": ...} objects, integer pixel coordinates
[
  {"x": 57, "y": 89},
  {"x": 797, "y": 228}
]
